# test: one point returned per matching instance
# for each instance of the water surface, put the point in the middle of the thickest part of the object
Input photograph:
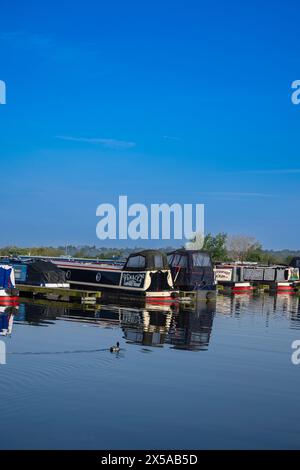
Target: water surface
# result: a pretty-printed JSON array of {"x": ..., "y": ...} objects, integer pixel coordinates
[{"x": 219, "y": 376}]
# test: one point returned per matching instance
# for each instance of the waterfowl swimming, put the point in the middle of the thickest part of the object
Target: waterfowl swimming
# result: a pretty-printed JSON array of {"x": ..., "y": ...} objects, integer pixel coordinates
[{"x": 115, "y": 348}]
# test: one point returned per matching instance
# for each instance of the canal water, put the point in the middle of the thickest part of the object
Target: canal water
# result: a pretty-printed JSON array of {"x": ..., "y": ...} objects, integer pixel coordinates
[{"x": 219, "y": 376}]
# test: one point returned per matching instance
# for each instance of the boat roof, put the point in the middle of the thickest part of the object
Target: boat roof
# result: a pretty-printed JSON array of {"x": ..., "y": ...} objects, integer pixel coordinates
[
  {"x": 183, "y": 251},
  {"x": 148, "y": 252}
]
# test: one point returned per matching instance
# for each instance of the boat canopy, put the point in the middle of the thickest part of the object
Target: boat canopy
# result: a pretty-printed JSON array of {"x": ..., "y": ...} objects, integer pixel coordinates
[
  {"x": 7, "y": 277},
  {"x": 295, "y": 263},
  {"x": 189, "y": 259},
  {"x": 191, "y": 269},
  {"x": 146, "y": 260},
  {"x": 44, "y": 272}
]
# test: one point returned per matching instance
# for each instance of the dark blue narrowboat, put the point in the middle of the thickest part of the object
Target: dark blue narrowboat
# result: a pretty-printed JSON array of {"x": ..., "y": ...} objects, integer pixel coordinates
[
  {"x": 144, "y": 274},
  {"x": 192, "y": 271}
]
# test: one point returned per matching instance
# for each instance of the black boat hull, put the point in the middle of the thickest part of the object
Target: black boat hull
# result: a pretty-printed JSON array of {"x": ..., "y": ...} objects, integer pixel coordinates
[{"x": 119, "y": 283}]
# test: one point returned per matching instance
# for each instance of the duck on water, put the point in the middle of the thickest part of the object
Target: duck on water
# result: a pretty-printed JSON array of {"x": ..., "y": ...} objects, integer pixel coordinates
[{"x": 116, "y": 348}]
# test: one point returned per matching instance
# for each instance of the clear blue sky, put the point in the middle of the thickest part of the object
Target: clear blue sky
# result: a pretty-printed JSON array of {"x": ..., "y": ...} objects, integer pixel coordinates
[{"x": 165, "y": 101}]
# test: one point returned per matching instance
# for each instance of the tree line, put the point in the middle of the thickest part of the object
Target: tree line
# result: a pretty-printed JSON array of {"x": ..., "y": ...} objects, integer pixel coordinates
[{"x": 221, "y": 247}]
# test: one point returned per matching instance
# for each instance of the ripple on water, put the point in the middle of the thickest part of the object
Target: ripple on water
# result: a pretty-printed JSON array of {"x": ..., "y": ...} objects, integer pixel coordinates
[{"x": 31, "y": 373}]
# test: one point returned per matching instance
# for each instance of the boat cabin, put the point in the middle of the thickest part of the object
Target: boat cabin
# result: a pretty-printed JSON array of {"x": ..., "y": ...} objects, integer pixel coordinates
[
  {"x": 192, "y": 270},
  {"x": 146, "y": 260},
  {"x": 295, "y": 263}
]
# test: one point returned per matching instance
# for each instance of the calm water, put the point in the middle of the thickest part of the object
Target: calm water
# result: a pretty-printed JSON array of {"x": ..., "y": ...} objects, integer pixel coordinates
[{"x": 218, "y": 377}]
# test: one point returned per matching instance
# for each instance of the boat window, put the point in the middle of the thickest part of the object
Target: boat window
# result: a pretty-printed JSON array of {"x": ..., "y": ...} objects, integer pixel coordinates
[
  {"x": 170, "y": 259},
  {"x": 158, "y": 261},
  {"x": 180, "y": 261},
  {"x": 201, "y": 260},
  {"x": 136, "y": 262}
]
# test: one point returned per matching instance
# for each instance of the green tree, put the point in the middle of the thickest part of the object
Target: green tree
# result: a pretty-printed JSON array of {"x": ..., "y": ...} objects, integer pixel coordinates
[{"x": 216, "y": 246}]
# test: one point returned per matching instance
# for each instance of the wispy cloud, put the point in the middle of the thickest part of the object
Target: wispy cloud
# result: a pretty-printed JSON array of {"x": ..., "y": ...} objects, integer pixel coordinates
[
  {"x": 110, "y": 143},
  {"x": 170, "y": 137},
  {"x": 277, "y": 171}
]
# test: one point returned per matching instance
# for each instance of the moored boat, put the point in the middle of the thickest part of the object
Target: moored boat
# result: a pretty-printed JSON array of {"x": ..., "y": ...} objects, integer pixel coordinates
[
  {"x": 242, "y": 277},
  {"x": 144, "y": 274},
  {"x": 36, "y": 272},
  {"x": 295, "y": 262},
  {"x": 9, "y": 295},
  {"x": 192, "y": 272}
]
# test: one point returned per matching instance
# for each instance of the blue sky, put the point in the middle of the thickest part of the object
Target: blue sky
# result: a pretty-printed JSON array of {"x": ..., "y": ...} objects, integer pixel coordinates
[{"x": 164, "y": 101}]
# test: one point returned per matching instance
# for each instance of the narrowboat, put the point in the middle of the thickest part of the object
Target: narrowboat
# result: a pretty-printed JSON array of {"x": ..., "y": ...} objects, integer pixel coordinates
[
  {"x": 46, "y": 274},
  {"x": 8, "y": 292},
  {"x": 295, "y": 262},
  {"x": 36, "y": 272},
  {"x": 241, "y": 277},
  {"x": 192, "y": 271},
  {"x": 144, "y": 274}
]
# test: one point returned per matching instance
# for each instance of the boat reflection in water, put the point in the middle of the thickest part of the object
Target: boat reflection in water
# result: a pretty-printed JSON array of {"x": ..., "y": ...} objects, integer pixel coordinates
[
  {"x": 174, "y": 325},
  {"x": 7, "y": 315},
  {"x": 148, "y": 327},
  {"x": 183, "y": 329},
  {"x": 266, "y": 305},
  {"x": 38, "y": 314},
  {"x": 192, "y": 329},
  {"x": 152, "y": 325}
]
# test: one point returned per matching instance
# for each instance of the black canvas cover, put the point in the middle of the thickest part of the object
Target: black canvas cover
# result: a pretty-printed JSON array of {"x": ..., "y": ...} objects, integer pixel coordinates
[
  {"x": 295, "y": 263},
  {"x": 191, "y": 269},
  {"x": 44, "y": 272},
  {"x": 146, "y": 260}
]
